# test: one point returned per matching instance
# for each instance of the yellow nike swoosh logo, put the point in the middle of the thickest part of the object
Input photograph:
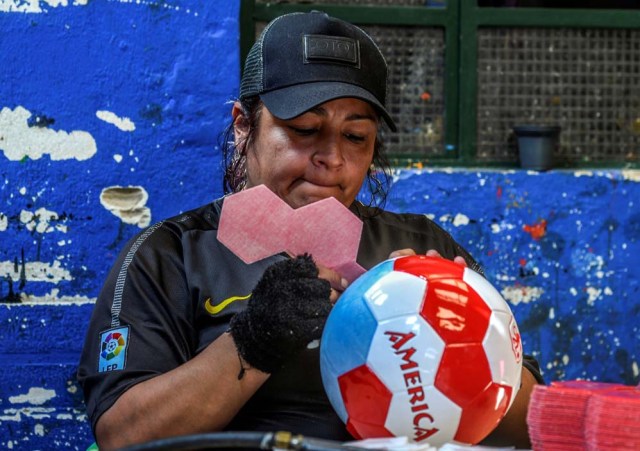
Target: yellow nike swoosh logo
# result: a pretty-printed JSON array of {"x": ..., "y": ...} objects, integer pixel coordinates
[{"x": 214, "y": 309}]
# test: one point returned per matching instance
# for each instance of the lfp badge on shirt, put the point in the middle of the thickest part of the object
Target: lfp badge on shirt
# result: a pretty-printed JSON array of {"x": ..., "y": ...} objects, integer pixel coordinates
[{"x": 113, "y": 349}]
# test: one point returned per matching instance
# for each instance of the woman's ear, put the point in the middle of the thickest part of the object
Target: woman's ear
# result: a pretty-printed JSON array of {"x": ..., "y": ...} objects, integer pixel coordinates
[{"x": 240, "y": 124}]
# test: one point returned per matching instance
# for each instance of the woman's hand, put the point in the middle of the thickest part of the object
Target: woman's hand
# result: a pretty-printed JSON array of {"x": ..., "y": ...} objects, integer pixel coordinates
[
  {"x": 430, "y": 253},
  {"x": 287, "y": 310},
  {"x": 337, "y": 282}
]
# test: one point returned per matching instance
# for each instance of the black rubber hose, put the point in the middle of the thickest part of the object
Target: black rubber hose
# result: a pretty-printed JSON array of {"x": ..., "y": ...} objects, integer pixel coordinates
[
  {"x": 215, "y": 440},
  {"x": 240, "y": 440}
]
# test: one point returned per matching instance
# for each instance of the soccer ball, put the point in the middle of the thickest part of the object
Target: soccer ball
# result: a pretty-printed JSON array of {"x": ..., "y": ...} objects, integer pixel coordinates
[{"x": 424, "y": 348}]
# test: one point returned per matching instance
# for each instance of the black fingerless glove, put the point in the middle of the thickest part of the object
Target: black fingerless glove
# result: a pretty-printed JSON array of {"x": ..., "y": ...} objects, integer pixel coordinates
[{"x": 287, "y": 310}]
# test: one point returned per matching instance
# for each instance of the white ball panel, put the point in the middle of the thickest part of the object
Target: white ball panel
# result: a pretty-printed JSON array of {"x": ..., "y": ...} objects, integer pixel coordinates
[
  {"x": 395, "y": 294},
  {"x": 435, "y": 411},
  {"x": 387, "y": 362},
  {"x": 486, "y": 290},
  {"x": 505, "y": 366}
]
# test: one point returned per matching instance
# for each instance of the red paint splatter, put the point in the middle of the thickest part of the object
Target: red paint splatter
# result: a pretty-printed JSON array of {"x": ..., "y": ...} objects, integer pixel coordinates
[
  {"x": 499, "y": 192},
  {"x": 425, "y": 96},
  {"x": 537, "y": 230},
  {"x": 523, "y": 262}
]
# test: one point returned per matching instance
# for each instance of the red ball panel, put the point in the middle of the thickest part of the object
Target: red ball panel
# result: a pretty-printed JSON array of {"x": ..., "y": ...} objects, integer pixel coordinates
[
  {"x": 367, "y": 401},
  {"x": 362, "y": 430},
  {"x": 455, "y": 311},
  {"x": 429, "y": 268},
  {"x": 464, "y": 372},
  {"x": 483, "y": 414}
]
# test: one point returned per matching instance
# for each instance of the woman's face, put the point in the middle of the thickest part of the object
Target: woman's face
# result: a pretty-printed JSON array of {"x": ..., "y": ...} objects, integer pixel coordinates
[{"x": 322, "y": 153}]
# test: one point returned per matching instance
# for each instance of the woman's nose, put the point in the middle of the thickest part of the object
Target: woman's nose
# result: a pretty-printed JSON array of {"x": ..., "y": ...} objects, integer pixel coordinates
[{"x": 328, "y": 154}]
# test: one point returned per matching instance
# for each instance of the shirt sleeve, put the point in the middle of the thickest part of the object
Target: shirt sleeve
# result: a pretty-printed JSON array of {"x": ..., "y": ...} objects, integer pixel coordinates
[
  {"x": 530, "y": 363},
  {"x": 143, "y": 311}
]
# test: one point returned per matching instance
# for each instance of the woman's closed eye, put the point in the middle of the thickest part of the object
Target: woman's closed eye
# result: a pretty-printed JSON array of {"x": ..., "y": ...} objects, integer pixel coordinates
[
  {"x": 355, "y": 138},
  {"x": 303, "y": 131}
]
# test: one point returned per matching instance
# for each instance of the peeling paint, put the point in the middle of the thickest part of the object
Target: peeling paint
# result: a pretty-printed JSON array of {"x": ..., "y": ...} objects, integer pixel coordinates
[
  {"x": 35, "y": 271},
  {"x": 18, "y": 140},
  {"x": 17, "y": 415},
  {"x": 39, "y": 6},
  {"x": 40, "y": 221},
  {"x": 35, "y": 6},
  {"x": 123, "y": 123},
  {"x": 36, "y": 396},
  {"x": 54, "y": 298},
  {"x": 520, "y": 293},
  {"x": 127, "y": 203},
  {"x": 632, "y": 175}
]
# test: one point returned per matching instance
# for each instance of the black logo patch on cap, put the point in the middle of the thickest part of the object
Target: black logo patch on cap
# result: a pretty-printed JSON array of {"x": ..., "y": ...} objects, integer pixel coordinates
[{"x": 322, "y": 48}]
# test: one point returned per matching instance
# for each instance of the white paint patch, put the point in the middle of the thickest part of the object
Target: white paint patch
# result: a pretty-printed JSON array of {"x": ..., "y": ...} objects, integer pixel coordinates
[
  {"x": 35, "y": 271},
  {"x": 505, "y": 278},
  {"x": 519, "y": 293},
  {"x": 40, "y": 221},
  {"x": 38, "y": 430},
  {"x": 123, "y": 123},
  {"x": 127, "y": 203},
  {"x": 117, "y": 157},
  {"x": 594, "y": 294},
  {"x": 37, "y": 413},
  {"x": 40, "y": 6},
  {"x": 4, "y": 222},
  {"x": 500, "y": 227},
  {"x": 632, "y": 175},
  {"x": 460, "y": 220},
  {"x": 54, "y": 298},
  {"x": 18, "y": 140},
  {"x": 634, "y": 368},
  {"x": 36, "y": 396},
  {"x": 583, "y": 173},
  {"x": 35, "y": 6}
]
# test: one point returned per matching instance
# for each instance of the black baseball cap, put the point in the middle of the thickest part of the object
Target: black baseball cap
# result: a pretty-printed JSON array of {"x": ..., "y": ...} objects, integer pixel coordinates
[{"x": 304, "y": 59}]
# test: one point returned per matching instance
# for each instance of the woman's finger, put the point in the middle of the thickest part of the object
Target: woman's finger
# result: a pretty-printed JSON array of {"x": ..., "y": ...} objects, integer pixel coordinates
[
  {"x": 338, "y": 283},
  {"x": 402, "y": 253}
]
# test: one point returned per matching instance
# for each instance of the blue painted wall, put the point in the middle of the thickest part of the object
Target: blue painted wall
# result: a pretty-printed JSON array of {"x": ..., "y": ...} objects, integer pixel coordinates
[{"x": 109, "y": 117}]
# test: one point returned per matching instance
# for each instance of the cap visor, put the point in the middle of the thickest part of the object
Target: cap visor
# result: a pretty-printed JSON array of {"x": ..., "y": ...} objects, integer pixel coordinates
[{"x": 287, "y": 103}]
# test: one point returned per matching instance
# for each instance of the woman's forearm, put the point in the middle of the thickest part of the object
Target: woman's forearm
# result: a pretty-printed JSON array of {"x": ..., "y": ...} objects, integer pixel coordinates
[{"x": 202, "y": 395}]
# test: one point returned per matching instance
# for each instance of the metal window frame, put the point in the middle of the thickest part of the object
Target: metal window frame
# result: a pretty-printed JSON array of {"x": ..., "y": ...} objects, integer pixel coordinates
[
  {"x": 460, "y": 20},
  {"x": 476, "y": 17}
]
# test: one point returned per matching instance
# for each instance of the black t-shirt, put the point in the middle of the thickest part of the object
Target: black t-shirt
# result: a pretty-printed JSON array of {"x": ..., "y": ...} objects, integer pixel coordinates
[{"x": 174, "y": 289}]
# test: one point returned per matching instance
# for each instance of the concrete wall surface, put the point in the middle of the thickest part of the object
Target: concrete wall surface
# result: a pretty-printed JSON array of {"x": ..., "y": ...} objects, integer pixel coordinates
[{"x": 110, "y": 113}]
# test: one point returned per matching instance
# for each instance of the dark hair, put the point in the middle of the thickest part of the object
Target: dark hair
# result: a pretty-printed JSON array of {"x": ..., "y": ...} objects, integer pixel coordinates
[{"x": 234, "y": 158}]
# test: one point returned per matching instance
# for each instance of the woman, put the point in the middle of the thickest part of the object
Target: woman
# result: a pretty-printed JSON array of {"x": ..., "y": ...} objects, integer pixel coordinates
[{"x": 186, "y": 338}]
